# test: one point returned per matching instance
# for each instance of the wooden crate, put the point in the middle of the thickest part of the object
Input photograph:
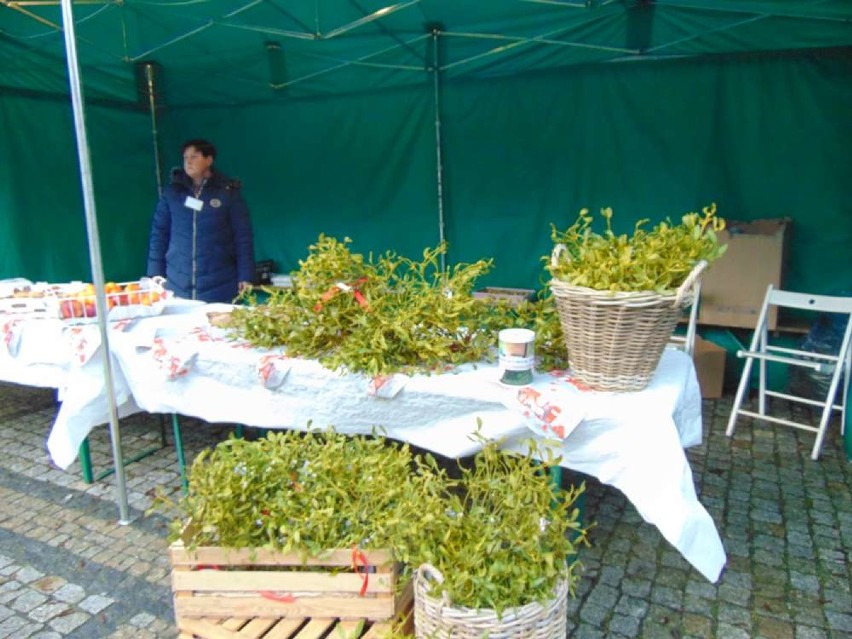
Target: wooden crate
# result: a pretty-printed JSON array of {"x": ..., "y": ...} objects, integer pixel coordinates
[{"x": 257, "y": 584}]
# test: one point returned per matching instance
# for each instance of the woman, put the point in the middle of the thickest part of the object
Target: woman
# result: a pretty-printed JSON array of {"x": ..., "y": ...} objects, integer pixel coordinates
[{"x": 201, "y": 236}]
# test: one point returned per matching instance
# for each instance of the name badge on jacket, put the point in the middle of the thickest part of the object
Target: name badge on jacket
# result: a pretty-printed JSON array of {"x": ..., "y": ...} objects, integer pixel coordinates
[{"x": 193, "y": 203}]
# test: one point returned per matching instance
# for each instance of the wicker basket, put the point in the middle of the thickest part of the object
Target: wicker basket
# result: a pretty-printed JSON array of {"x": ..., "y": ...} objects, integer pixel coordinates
[
  {"x": 437, "y": 618},
  {"x": 615, "y": 339}
]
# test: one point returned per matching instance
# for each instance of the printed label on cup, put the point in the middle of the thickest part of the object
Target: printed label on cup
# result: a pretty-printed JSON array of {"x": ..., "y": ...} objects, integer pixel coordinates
[{"x": 516, "y": 355}]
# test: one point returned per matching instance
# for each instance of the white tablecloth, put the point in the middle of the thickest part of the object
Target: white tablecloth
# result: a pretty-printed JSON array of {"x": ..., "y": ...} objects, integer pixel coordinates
[{"x": 178, "y": 363}]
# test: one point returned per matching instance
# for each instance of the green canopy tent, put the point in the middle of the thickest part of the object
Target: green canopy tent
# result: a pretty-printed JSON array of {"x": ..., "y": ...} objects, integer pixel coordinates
[
  {"x": 399, "y": 124},
  {"x": 326, "y": 109}
]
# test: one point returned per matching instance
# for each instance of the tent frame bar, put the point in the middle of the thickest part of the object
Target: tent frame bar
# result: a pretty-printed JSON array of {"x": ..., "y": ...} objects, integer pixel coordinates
[
  {"x": 439, "y": 167},
  {"x": 78, "y": 107}
]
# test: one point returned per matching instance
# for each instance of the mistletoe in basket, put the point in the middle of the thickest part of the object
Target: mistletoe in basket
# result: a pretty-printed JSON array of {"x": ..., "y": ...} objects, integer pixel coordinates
[{"x": 657, "y": 259}]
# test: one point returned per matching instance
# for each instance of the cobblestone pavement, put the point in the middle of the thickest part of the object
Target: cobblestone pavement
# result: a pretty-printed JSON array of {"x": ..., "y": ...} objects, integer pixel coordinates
[{"x": 67, "y": 569}]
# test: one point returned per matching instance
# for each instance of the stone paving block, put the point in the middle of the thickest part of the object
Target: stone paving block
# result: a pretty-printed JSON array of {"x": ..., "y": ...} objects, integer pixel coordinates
[
  {"x": 625, "y": 625},
  {"x": 733, "y": 615},
  {"x": 665, "y": 596},
  {"x": 11, "y": 626},
  {"x": 48, "y": 611},
  {"x": 93, "y": 604},
  {"x": 9, "y": 591},
  {"x": 770, "y": 628},
  {"x": 9, "y": 570},
  {"x": 595, "y": 614},
  {"x": 840, "y": 623},
  {"x": 697, "y": 625},
  {"x": 734, "y": 594},
  {"x": 585, "y": 631},
  {"x": 66, "y": 623},
  {"x": 27, "y": 600},
  {"x": 70, "y": 593},
  {"x": 732, "y": 632}
]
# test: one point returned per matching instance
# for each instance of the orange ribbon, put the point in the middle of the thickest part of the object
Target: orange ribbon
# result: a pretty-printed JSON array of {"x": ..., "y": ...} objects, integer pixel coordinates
[
  {"x": 358, "y": 555},
  {"x": 340, "y": 286}
]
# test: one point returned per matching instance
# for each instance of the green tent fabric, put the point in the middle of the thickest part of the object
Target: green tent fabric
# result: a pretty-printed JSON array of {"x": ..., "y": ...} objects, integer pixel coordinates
[{"x": 326, "y": 110}]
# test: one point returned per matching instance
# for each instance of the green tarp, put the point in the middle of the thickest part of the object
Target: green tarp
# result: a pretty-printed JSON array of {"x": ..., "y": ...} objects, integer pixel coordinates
[{"x": 326, "y": 110}]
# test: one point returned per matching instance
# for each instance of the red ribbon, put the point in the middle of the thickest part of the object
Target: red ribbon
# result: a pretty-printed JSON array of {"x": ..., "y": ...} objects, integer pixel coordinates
[
  {"x": 358, "y": 555},
  {"x": 334, "y": 290},
  {"x": 272, "y": 596}
]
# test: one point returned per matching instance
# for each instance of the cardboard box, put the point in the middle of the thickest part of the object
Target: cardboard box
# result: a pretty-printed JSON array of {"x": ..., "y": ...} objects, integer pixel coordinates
[
  {"x": 709, "y": 362},
  {"x": 512, "y": 295},
  {"x": 733, "y": 288}
]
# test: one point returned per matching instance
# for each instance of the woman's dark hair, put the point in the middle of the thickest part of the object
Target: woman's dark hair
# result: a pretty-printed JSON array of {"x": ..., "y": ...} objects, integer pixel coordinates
[{"x": 202, "y": 146}]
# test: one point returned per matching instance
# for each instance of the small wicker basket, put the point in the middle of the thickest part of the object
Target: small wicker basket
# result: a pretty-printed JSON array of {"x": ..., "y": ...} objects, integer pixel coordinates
[
  {"x": 615, "y": 339},
  {"x": 438, "y": 618}
]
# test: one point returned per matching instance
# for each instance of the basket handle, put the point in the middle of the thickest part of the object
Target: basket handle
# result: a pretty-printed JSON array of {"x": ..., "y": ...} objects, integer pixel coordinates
[
  {"x": 428, "y": 571},
  {"x": 690, "y": 281},
  {"x": 558, "y": 249}
]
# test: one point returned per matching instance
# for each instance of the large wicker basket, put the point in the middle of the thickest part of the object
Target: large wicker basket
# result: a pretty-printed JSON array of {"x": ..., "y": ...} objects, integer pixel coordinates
[
  {"x": 438, "y": 618},
  {"x": 615, "y": 339}
]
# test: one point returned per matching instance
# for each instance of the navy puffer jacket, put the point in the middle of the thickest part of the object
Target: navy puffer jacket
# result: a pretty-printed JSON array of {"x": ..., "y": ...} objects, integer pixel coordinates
[{"x": 204, "y": 254}]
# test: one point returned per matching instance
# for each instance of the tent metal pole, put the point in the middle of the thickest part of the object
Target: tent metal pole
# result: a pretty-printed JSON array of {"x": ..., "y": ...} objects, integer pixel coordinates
[
  {"x": 94, "y": 248},
  {"x": 439, "y": 169},
  {"x": 152, "y": 104}
]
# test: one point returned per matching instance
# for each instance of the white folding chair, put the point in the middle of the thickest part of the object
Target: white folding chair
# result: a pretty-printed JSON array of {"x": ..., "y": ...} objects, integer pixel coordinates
[
  {"x": 836, "y": 365},
  {"x": 686, "y": 342}
]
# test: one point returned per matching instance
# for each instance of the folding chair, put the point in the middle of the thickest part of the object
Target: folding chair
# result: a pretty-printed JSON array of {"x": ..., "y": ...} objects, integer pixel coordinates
[
  {"x": 836, "y": 365},
  {"x": 686, "y": 342}
]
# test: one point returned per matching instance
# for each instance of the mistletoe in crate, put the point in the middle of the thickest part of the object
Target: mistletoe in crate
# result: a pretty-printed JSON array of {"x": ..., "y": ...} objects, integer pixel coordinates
[
  {"x": 391, "y": 314},
  {"x": 308, "y": 493}
]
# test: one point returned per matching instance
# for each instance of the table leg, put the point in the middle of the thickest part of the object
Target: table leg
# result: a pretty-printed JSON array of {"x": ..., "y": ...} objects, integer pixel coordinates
[
  {"x": 179, "y": 450},
  {"x": 86, "y": 462},
  {"x": 574, "y": 478},
  {"x": 847, "y": 426}
]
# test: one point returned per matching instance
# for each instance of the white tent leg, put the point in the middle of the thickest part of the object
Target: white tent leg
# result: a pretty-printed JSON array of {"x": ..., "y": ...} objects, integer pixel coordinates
[{"x": 94, "y": 247}]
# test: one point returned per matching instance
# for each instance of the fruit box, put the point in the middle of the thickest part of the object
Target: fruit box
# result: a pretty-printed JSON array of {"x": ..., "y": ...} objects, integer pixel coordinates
[
  {"x": 213, "y": 582},
  {"x": 75, "y": 302},
  {"x": 29, "y": 300}
]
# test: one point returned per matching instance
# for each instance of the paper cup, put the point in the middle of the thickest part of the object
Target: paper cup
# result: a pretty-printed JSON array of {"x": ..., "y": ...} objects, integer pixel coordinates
[{"x": 516, "y": 356}]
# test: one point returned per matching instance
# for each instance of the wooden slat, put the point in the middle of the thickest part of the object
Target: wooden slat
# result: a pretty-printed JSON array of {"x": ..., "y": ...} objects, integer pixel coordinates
[
  {"x": 382, "y": 560},
  {"x": 203, "y": 628},
  {"x": 248, "y": 580},
  {"x": 233, "y": 623},
  {"x": 315, "y": 628},
  {"x": 345, "y": 608},
  {"x": 256, "y": 628},
  {"x": 284, "y": 628}
]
